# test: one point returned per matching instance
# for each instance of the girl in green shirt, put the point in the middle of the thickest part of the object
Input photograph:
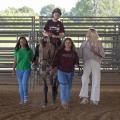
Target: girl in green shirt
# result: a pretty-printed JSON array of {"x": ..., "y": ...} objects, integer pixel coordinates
[{"x": 22, "y": 62}]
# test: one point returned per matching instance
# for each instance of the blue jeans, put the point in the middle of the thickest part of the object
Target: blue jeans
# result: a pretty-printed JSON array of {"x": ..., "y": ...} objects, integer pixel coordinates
[
  {"x": 65, "y": 81},
  {"x": 23, "y": 77}
]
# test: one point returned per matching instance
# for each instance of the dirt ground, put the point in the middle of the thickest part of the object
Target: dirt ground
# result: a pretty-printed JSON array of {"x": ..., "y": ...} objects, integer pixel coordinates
[{"x": 108, "y": 109}]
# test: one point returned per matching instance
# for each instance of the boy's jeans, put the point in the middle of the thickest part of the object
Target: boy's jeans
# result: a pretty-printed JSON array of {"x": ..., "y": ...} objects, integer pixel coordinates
[
  {"x": 65, "y": 81},
  {"x": 23, "y": 77}
]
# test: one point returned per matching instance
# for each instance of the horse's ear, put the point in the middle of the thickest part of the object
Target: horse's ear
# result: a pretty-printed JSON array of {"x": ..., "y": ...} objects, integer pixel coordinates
[
  {"x": 43, "y": 42},
  {"x": 46, "y": 39}
]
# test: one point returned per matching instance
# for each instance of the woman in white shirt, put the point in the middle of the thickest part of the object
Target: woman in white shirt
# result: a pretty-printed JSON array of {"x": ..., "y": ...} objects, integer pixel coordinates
[{"x": 92, "y": 53}]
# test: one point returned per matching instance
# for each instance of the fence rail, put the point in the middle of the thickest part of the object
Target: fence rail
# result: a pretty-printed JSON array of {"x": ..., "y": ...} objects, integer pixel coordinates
[{"x": 11, "y": 28}]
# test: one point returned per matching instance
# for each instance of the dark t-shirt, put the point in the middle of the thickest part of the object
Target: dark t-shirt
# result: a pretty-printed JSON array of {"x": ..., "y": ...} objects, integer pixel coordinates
[
  {"x": 65, "y": 60},
  {"x": 54, "y": 28}
]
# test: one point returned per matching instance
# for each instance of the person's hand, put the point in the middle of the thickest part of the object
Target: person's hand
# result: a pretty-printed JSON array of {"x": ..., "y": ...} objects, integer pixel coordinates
[
  {"x": 50, "y": 34},
  {"x": 53, "y": 69},
  {"x": 76, "y": 65},
  {"x": 53, "y": 36},
  {"x": 35, "y": 62}
]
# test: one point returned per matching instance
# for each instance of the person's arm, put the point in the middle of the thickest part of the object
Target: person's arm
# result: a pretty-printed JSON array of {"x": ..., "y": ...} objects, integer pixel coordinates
[
  {"x": 14, "y": 64},
  {"x": 76, "y": 59},
  {"x": 96, "y": 53},
  {"x": 14, "y": 61},
  {"x": 80, "y": 51},
  {"x": 62, "y": 31},
  {"x": 100, "y": 51},
  {"x": 46, "y": 31}
]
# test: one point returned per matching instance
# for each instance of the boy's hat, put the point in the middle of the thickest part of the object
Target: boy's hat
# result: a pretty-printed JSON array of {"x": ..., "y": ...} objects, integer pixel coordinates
[{"x": 57, "y": 10}]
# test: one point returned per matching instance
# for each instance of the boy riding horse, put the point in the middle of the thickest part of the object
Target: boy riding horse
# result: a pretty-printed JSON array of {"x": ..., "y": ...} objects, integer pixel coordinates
[
  {"x": 53, "y": 32},
  {"x": 54, "y": 29}
]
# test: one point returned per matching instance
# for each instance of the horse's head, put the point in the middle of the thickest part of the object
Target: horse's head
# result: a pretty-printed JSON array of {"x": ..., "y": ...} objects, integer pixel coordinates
[{"x": 45, "y": 40}]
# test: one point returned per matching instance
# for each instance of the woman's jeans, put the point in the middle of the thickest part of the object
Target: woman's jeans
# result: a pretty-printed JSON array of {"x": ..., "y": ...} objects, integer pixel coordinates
[
  {"x": 23, "y": 77},
  {"x": 65, "y": 81}
]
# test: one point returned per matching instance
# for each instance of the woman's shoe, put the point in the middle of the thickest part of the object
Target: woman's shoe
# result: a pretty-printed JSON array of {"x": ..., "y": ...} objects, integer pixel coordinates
[
  {"x": 65, "y": 106},
  {"x": 84, "y": 101},
  {"x": 94, "y": 102},
  {"x": 21, "y": 102},
  {"x": 25, "y": 101}
]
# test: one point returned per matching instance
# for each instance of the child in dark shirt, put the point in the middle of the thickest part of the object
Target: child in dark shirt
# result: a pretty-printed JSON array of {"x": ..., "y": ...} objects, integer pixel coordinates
[
  {"x": 54, "y": 28},
  {"x": 65, "y": 60}
]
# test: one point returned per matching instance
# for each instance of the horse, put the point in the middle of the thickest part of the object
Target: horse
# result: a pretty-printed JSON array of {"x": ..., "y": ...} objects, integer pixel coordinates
[{"x": 45, "y": 54}]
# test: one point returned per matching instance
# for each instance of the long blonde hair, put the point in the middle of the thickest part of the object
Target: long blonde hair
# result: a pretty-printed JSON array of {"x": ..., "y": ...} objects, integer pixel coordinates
[{"x": 93, "y": 37}]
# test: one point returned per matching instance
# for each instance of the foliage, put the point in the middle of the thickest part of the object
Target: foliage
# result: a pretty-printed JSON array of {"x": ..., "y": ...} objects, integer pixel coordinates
[
  {"x": 96, "y": 8},
  {"x": 82, "y": 8},
  {"x": 24, "y": 11},
  {"x": 47, "y": 10}
]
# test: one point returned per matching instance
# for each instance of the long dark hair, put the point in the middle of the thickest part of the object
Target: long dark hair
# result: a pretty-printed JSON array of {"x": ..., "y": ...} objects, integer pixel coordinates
[
  {"x": 72, "y": 44},
  {"x": 18, "y": 46}
]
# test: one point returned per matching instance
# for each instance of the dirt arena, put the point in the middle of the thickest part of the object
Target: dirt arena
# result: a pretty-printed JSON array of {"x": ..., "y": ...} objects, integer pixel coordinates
[{"x": 108, "y": 109}]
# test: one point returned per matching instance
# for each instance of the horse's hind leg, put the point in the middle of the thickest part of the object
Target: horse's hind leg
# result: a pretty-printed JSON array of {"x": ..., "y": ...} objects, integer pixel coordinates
[
  {"x": 56, "y": 84},
  {"x": 45, "y": 92},
  {"x": 54, "y": 87},
  {"x": 45, "y": 89}
]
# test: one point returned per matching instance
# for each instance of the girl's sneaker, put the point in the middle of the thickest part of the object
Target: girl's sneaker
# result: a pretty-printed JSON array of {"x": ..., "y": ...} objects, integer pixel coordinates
[
  {"x": 25, "y": 101},
  {"x": 21, "y": 102},
  {"x": 84, "y": 101},
  {"x": 94, "y": 102}
]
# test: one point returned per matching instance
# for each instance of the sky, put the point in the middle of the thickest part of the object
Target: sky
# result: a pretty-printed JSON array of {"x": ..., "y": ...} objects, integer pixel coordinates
[{"x": 36, "y": 5}]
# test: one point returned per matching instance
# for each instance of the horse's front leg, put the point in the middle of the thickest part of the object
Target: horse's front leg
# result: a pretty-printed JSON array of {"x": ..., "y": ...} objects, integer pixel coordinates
[
  {"x": 54, "y": 86},
  {"x": 45, "y": 87}
]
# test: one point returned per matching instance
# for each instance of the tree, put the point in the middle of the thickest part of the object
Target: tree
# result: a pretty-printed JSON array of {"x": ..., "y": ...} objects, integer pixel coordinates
[
  {"x": 10, "y": 11},
  {"x": 46, "y": 10},
  {"x": 109, "y": 8},
  {"x": 27, "y": 11},
  {"x": 24, "y": 11},
  {"x": 83, "y": 8},
  {"x": 96, "y": 8}
]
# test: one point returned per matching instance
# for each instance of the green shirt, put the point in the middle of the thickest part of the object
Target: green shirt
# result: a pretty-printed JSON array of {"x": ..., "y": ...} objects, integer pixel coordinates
[{"x": 23, "y": 59}]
